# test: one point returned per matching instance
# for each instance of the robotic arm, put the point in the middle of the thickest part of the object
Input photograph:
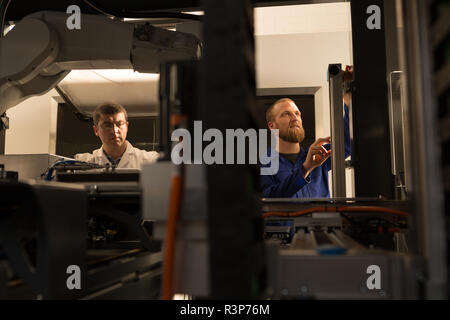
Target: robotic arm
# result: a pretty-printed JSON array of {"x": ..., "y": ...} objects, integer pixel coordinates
[{"x": 40, "y": 51}]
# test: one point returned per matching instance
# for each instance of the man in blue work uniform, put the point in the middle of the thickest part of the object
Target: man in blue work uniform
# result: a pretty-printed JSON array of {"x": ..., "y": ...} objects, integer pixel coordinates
[{"x": 303, "y": 172}]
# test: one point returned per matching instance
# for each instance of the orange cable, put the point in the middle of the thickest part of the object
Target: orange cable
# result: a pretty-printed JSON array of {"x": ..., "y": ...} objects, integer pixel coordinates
[
  {"x": 336, "y": 209},
  {"x": 373, "y": 209},
  {"x": 177, "y": 119},
  {"x": 299, "y": 213},
  {"x": 169, "y": 243},
  {"x": 175, "y": 199},
  {"x": 276, "y": 214}
]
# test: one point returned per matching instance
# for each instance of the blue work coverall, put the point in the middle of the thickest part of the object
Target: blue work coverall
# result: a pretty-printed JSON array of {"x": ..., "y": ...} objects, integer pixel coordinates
[{"x": 288, "y": 182}]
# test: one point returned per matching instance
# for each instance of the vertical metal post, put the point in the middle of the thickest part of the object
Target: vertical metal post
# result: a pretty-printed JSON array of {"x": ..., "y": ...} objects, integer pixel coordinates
[
  {"x": 164, "y": 112},
  {"x": 235, "y": 227},
  {"x": 2, "y": 142},
  {"x": 337, "y": 130},
  {"x": 396, "y": 111},
  {"x": 4, "y": 125},
  {"x": 371, "y": 144},
  {"x": 424, "y": 149},
  {"x": 3, "y": 7}
]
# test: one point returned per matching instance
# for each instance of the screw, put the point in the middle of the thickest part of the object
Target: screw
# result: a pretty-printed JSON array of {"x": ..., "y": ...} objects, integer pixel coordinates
[
  {"x": 303, "y": 289},
  {"x": 284, "y": 292}
]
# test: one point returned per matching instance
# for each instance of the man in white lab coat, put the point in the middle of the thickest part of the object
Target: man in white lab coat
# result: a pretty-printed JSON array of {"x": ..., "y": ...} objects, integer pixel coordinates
[{"x": 111, "y": 126}]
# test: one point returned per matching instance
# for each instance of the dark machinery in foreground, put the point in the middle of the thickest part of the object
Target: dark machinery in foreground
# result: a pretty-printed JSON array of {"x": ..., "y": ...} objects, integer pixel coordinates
[
  {"x": 47, "y": 227},
  {"x": 315, "y": 248}
]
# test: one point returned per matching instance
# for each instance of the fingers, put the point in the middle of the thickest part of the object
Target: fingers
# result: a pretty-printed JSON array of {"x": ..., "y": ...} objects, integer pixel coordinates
[
  {"x": 319, "y": 159},
  {"x": 319, "y": 154},
  {"x": 322, "y": 141},
  {"x": 326, "y": 151},
  {"x": 320, "y": 151}
]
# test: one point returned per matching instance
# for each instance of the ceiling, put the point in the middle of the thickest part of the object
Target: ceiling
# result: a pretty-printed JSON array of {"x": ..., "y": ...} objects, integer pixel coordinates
[
  {"x": 17, "y": 9},
  {"x": 138, "y": 92},
  {"x": 86, "y": 89}
]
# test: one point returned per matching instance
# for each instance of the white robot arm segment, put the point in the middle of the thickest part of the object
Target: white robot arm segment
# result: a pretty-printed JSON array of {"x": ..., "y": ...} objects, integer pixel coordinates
[{"x": 40, "y": 51}]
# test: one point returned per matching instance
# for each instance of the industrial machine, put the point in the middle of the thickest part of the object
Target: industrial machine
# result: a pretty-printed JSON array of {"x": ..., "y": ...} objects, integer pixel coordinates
[
  {"x": 109, "y": 246},
  {"x": 203, "y": 230}
]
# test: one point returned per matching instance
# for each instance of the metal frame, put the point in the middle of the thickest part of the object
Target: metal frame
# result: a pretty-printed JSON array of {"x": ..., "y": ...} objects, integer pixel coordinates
[
  {"x": 424, "y": 150},
  {"x": 371, "y": 144},
  {"x": 337, "y": 130},
  {"x": 60, "y": 236},
  {"x": 237, "y": 262}
]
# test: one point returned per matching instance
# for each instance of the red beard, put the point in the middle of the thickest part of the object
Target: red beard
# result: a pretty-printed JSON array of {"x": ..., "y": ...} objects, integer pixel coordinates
[{"x": 293, "y": 134}]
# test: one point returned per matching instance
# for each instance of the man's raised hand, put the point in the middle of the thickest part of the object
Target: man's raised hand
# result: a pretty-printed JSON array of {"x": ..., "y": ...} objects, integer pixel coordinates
[{"x": 316, "y": 156}]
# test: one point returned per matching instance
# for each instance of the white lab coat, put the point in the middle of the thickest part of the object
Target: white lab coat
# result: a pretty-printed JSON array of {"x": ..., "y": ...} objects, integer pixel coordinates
[{"x": 132, "y": 157}]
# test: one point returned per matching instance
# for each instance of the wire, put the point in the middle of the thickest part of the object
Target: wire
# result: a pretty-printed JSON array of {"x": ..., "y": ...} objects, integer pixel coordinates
[
  {"x": 175, "y": 200},
  {"x": 169, "y": 243},
  {"x": 373, "y": 209},
  {"x": 3, "y": 17},
  {"x": 49, "y": 175},
  {"x": 174, "y": 15},
  {"x": 337, "y": 209},
  {"x": 145, "y": 15},
  {"x": 98, "y": 9},
  {"x": 76, "y": 165},
  {"x": 294, "y": 214}
]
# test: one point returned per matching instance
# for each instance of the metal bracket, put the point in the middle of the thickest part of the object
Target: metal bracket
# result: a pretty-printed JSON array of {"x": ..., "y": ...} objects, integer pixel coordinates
[
  {"x": 336, "y": 80},
  {"x": 4, "y": 123}
]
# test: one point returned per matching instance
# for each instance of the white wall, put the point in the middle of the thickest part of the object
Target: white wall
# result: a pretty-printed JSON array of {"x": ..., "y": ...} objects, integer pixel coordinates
[
  {"x": 32, "y": 126},
  {"x": 301, "y": 60},
  {"x": 312, "y": 18},
  {"x": 295, "y": 45}
]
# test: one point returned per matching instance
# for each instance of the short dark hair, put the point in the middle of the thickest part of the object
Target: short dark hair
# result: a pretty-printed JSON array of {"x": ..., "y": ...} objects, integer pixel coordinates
[
  {"x": 108, "y": 108},
  {"x": 269, "y": 113}
]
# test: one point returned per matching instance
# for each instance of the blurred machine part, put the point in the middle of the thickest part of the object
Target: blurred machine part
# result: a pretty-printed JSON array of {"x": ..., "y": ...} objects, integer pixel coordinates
[
  {"x": 191, "y": 256},
  {"x": 7, "y": 175},
  {"x": 29, "y": 166},
  {"x": 101, "y": 231},
  {"x": 334, "y": 244},
  {"x": 49, "y": 50},
  {"x": 118, "y": 258},
  {"x": 39, "y": 240},
  {"x": 185, "y": 235}
]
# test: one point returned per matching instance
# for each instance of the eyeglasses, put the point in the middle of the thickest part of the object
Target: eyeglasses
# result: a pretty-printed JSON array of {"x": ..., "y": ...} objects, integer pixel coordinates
[{"x": 110, "y": 125}]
